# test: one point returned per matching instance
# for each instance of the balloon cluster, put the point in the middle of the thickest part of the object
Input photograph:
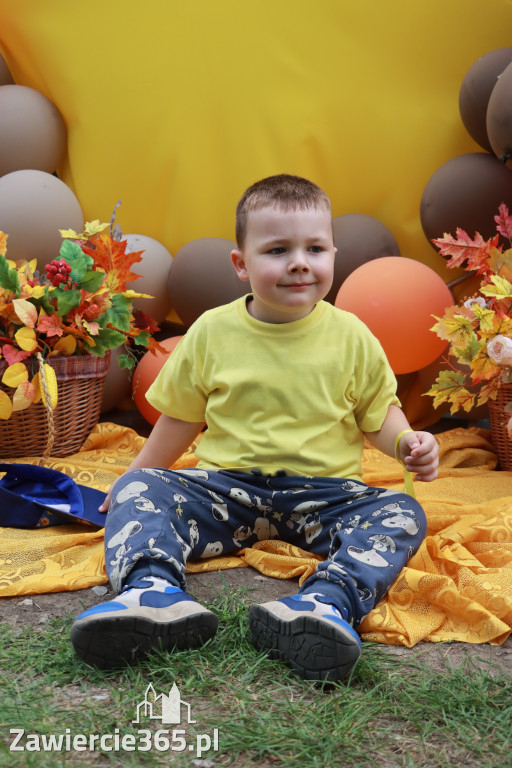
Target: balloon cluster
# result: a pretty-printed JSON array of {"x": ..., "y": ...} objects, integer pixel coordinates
[{"x": 467, "y": 190}]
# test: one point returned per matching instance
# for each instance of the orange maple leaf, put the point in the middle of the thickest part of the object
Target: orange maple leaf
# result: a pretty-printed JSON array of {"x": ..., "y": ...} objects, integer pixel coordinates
[
  {"x": 51, "y": 325},
  {"x": 504, "y": 222},
  {"x": 471, "y": 254},
  {"x": 110, "y": 255}
]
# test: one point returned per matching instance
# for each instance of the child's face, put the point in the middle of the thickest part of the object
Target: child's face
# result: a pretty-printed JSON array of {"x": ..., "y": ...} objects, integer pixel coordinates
[{"x": 288, "y": 257}]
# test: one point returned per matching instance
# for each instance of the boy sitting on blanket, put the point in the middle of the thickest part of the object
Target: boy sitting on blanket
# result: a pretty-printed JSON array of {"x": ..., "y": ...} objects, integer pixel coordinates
[{"x": 287, "y": 385}]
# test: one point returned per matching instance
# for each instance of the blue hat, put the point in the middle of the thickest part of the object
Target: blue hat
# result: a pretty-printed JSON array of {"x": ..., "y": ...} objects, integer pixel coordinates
[{"x": 35, "y": 497}]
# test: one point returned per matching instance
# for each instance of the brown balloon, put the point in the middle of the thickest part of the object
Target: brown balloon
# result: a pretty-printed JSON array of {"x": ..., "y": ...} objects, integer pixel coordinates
[
  {"x": 465, "y": 192},
  {"x": 118, "y": 384},
  {"x": 154, "y": 275},
  {"x": 476, "y": 90},
  {"x": 33, "y": 207},
  {"x": 202, "y": 277},
  {"x": 499, "y": 117},
  {"x": 5, "y": 76},
  {"x": 359, "y": 238},
  {"x": 32, "y": 131}
]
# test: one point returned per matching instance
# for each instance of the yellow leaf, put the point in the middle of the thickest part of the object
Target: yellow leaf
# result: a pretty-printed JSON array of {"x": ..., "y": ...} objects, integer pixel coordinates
[
  {"x": 134, "y": 295},
  {"x": 5, "y": 406},
  {"x": 24, "y": 396},
  {"x": 26, "y": 339},
  {"x": 70, "y": 234},
  {"x": 51, "y": 383},
  {"x": 93, "y": 227},
  {"x": 37, "y": 291},
  {"x": 36, "y": 383},
  {"x": 502, "y": 288},
  {"x": 66, "y": 345},
  {"x": 26, "y": 312},
  {"x": 3, "y": 243},
  {"x": 14, "y": 375}
]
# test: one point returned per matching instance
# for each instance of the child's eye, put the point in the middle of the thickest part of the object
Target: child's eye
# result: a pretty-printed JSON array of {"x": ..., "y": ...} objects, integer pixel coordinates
[
  {"x": 316, "y": 249},
  {"x": 276, "y": 251}
]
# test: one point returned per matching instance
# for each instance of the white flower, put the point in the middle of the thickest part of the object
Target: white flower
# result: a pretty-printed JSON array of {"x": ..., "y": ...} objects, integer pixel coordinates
[
  {"x": 471, "y": 302},
  {"x": 499, "y": 350}
]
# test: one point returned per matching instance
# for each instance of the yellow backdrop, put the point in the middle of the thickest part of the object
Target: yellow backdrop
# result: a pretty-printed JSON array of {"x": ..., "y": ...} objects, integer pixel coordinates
[{"x": 175, "y": 107}]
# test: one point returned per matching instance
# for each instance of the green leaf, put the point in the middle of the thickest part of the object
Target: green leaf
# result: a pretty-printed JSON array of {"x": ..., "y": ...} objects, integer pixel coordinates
[
  {"x": 92, "y": 280},
  {"x": 126, "y": 361},
  {"x": 8, "y": 277},
  {"x": 79, "y": 261},
  {"x": 118, "y": 315},
  {"x": 107, "y": 338},
  {"x": 142, "y": 339},
  {"x": 470, "y": 351},
  {"x": 66, "y": 300}
]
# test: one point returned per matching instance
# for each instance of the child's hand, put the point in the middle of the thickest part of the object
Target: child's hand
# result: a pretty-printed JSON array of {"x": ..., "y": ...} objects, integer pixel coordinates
[
  {"x": 419, "y": 452},
  {"x": 106, "y": 503}
]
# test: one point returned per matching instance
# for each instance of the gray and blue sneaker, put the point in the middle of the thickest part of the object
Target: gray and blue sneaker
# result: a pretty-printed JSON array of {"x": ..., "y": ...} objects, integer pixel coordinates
[
  {"x": 149, "y": 614},
  {"x": 307, "y": 633}
]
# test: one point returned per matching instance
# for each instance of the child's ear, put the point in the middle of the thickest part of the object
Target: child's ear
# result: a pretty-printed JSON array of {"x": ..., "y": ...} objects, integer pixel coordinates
[{"x": 239, "y": 264}]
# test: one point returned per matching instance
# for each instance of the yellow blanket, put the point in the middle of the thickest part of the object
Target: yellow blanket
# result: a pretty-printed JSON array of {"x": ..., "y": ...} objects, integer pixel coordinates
[{"x": 457, "y": 587}]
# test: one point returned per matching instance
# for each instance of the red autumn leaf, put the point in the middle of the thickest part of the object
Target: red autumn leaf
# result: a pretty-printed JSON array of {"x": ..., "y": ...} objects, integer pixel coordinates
[
  {"x": 144, "y": 321},
  {"x": 504, "y": 222},
  {"x": 462, "y": 248},
  {"x": 50, "y": 324},
  {"x": 110, "y": 255},
  {"x": 14, "y": 355}
]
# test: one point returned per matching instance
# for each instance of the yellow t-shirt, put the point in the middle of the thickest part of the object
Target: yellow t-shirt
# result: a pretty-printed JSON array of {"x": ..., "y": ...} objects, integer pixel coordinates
[{"x": 293, "y": 396}]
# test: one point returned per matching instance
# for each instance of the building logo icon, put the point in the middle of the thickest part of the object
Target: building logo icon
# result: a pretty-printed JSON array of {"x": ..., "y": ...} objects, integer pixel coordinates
[{"x": 164, "y": 707}]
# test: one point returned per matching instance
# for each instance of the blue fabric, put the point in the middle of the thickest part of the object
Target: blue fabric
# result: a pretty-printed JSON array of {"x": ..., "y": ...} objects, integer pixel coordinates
[
  {"x": 34, "y": 497},
  {"x": 159, "y": 519}
]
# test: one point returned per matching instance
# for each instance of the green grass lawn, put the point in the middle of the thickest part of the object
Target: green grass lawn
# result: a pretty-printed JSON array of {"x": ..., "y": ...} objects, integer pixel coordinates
[{"x": 249, "y": 710}]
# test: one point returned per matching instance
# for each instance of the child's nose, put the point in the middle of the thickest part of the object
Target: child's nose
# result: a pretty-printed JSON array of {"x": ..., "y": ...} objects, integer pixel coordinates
[{"x": 299, "y": 262}]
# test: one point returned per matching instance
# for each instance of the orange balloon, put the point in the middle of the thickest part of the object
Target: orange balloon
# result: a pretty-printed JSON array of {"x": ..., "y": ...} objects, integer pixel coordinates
[
  {"x": 396, "y": 298},
  {"x": 146, "y": 372}
]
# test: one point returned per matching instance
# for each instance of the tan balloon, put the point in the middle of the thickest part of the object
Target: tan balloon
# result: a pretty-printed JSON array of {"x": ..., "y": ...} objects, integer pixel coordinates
[
  {"x": 154, "y": 275},
  {"x": 5, "y": 75},
  {"x": 202, "y": 277},
  {"x": 34, "y": 205},
  {"x": 32, "y": 131},
  {"x": 499, "y": 118}
]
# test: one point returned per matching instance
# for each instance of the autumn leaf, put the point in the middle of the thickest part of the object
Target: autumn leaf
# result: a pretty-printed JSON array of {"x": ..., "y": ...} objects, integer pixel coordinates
[
  {"x": 483, "y": 367},
  {"x": 455, "y": 326},
  {"x": 5, "y": 406},
  {"x": 504, "y": 222},
  {"x": 24, "y": 396},
  {"x": 50, "y": 325},
  {"x": 502, "y": 288},
  {"x": 110, "y": 255},
  {"x": 14, "y": 375},
  {"x": 489, "y": 390},
  {"x": 3, "y": 243},
  {"x": 66, "y": 345},
  {"x": 13, "y": 355},
  {"x": 26, "y": 339},
  {"x": 463, "y": 249},
  {"x": 461, "y": 398},
  {"x": 446, "y": 385}
]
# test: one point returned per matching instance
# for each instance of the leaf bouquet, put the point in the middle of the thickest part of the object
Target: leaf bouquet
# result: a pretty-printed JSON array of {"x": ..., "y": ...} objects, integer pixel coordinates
[
  {"x": 82, "y": 305},
  {"x": 479, "y": 331}
]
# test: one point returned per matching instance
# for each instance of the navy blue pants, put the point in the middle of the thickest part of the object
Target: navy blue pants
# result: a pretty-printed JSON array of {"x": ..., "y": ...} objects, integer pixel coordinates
[{"x": 158, "y": 519}]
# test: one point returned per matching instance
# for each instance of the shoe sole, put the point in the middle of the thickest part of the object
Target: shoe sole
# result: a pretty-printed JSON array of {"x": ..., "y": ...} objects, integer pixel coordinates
[
  {"x": 313, "y": 648},
  {"x": 115, "y": 641}
]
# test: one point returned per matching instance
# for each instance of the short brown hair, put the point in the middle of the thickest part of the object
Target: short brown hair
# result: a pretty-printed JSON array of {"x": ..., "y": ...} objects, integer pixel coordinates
[{"x": 280, "y": 191}]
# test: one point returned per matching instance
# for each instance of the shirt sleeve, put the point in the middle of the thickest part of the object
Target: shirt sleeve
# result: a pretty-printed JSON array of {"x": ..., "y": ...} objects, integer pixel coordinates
[
  {"x": 377, "y": 390},
  {"x": 178, "y": 390}
]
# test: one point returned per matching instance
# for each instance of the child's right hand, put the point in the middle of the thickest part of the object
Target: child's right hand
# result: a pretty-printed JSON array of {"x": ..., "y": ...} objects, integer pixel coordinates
[{"x": 106, "y": 503}]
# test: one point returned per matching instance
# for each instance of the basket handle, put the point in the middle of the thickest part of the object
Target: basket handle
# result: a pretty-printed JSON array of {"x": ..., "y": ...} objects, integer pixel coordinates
[{"x": 47, "y": 401}]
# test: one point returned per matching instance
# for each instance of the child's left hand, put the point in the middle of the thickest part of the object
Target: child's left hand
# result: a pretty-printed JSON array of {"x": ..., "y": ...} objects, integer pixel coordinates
[{"x": 419, "y": 452}]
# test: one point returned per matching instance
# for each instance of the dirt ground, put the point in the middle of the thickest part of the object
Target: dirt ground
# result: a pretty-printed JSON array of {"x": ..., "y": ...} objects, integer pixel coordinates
[{"x": 37, "y": 610}]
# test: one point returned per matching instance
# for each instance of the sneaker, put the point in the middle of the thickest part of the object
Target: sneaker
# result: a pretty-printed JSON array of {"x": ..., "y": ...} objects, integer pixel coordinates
[
  {"x": 149, "y": 614},
  {"x": 308, "y": 634}
]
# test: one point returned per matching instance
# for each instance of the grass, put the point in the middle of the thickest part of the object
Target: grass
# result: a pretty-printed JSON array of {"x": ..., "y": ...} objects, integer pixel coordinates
[{"x": 388, "y": 714}]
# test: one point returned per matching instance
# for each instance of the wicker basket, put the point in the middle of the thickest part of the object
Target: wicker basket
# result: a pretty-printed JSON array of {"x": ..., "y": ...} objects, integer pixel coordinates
[
  {"x": 499, "y": 418},
  {"x": 38, "y": 432}
]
